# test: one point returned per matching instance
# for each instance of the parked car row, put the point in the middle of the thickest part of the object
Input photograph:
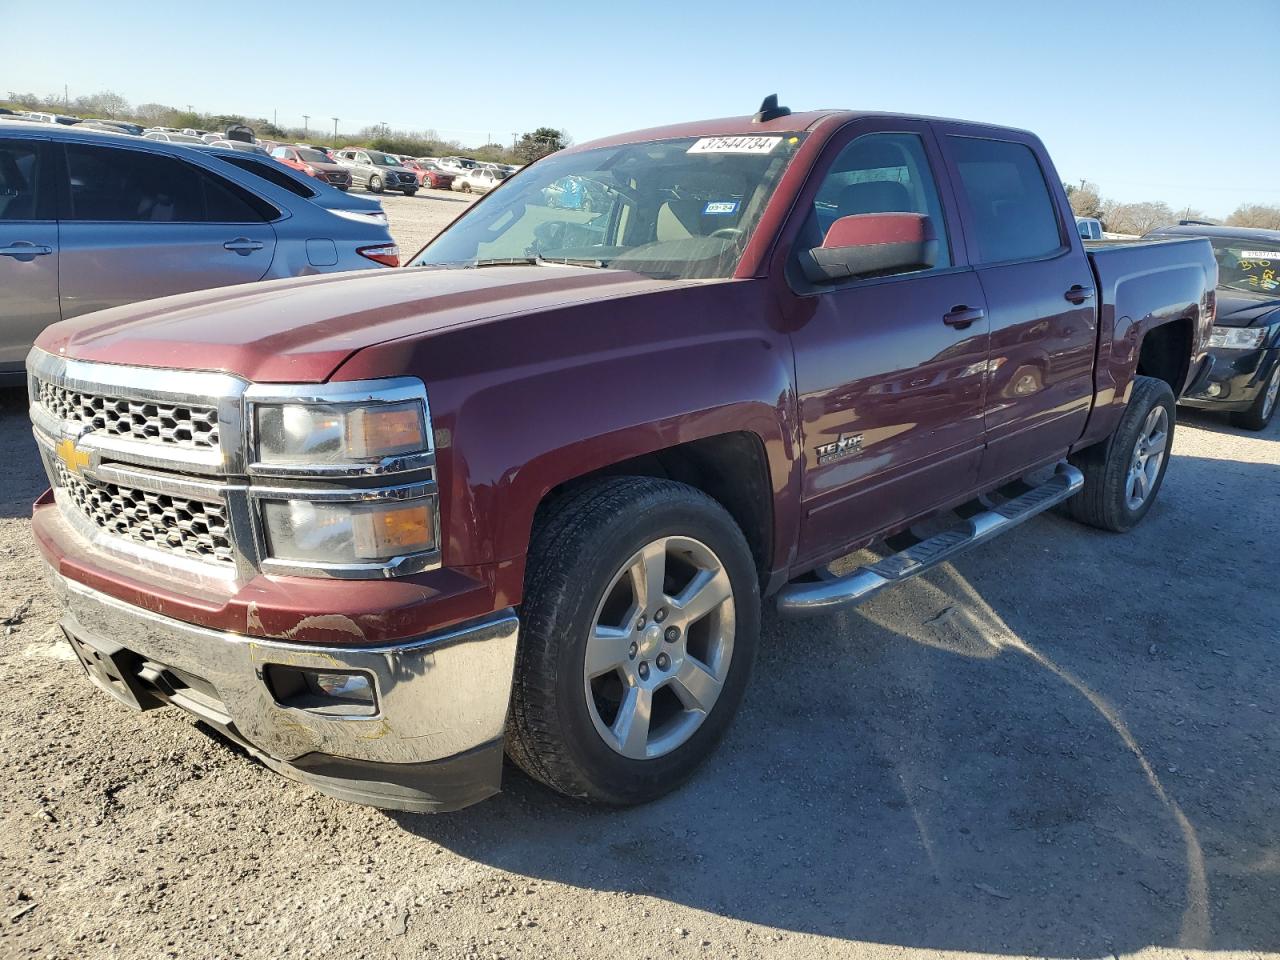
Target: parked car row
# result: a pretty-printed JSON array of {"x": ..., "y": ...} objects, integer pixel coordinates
[{"x": 91, "y": 220}]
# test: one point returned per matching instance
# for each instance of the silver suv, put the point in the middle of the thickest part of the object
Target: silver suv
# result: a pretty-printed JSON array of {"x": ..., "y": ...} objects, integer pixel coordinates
[{"x": 377, "y": 171}]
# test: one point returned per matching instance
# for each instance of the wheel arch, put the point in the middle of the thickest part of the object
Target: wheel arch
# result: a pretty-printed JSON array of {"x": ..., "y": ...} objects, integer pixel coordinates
[{"x": 731, "y": 468}]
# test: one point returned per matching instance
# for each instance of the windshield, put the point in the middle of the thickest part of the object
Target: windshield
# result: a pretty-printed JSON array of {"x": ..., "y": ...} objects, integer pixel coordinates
[
  {"x": 1252, "y": 266},
  {"x": 313, "y": 156},
  {"x": 672, "y": 209},
  {"x": 382, "y": 159}
]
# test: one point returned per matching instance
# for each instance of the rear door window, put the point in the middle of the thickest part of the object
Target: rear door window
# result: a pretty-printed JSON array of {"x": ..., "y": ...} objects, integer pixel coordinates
[
  {"x": 22, "y": 194},
  {"x": 272, "y": 173},
  {"x": 134, "y": 186},
  {"x": 1011, "y": 210}
]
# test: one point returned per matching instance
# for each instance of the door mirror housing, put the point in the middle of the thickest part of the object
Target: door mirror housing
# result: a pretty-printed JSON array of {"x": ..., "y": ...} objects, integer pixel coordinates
[{"x": 868, "y": 244}]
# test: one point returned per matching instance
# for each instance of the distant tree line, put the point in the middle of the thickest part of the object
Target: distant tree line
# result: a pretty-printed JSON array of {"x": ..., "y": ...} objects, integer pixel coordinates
[
  {"x": 1145, "y": 215},
  {"x": 417, "y": 143}
]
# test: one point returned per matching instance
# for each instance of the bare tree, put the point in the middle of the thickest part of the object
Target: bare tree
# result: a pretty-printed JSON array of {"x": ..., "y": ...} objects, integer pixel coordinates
[
  {"x": 1085, "y": 199},
  {"x": 1260, "y": 215},
  {"x": 1136, "y": 218}
]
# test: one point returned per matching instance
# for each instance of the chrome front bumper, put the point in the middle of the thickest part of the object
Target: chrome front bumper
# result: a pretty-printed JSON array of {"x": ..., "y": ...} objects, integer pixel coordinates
[{"x": 433, "y": 744}]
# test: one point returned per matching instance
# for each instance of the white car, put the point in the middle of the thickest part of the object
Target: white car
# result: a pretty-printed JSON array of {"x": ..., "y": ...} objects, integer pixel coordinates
[{"x": 479, "y": 180}]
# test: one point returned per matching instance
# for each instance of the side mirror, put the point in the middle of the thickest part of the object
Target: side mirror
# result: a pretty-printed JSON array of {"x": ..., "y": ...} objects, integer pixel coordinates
[{"x": 872, "y": 243}]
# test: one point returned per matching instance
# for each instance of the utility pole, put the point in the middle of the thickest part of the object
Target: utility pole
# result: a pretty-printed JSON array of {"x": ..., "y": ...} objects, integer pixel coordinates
[
  {"x": 275, "y": 117},
  {"x": 335, "y": 127},
  {"x": 306, "y": 120},
  {"x": 66, "y": 96}
]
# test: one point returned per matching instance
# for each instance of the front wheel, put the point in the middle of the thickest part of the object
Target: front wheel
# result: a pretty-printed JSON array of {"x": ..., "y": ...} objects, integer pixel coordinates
[
  {"x": 1258, "y": 416},
  {"x": 639, "y": 625},
  {"x": 1123, "y": 474},
  {"x": 375, "y": 184},
  {"x": 410, "y": 191},
  {"x": 465, "y": 188}
]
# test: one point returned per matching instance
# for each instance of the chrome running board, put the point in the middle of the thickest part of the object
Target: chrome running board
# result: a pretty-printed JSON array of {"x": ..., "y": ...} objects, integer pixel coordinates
[{"x": 808, "y": 598}]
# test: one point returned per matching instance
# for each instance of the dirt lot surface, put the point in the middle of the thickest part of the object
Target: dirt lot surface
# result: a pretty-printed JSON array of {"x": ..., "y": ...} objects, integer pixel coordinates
[{"x": 1064, "y": 744}]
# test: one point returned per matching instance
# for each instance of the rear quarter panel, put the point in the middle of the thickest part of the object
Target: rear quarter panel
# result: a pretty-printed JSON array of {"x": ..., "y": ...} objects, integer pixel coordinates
[
  {"x": 1142, "y": 286},
  {"x": 525, "y": 403}
]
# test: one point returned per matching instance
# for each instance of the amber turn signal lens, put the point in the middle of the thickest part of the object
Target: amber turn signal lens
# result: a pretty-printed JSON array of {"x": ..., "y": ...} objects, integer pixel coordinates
[
  {"x": 393, "y": 531},
  {"x": 396, "y": 428}
]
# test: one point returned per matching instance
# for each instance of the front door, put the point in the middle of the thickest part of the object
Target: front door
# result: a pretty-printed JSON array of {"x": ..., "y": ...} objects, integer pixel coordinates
[
  {"x": 28, "y": 248},
  {"x": 890, "y": 374}
]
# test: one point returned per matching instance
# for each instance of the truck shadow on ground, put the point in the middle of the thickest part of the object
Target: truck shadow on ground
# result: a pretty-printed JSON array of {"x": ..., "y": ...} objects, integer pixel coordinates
[{"x": 1024, "y": 753}]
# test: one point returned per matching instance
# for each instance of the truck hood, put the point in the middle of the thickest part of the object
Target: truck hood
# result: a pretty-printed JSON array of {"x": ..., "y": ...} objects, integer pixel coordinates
[{"x": 300, "y": 330}]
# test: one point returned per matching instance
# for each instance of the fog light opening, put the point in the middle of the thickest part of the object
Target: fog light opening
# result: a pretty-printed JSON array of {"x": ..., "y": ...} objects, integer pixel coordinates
[{"x": 334, "y": 693}]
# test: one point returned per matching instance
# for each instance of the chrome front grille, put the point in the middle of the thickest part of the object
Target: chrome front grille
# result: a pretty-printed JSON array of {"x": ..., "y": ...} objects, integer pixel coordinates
[
  {"x": 178, "y": 425},
  {"x": 194, "y": 528}
]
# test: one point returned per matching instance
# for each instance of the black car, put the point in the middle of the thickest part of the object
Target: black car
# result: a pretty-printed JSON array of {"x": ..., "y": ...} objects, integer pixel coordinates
[{"x": 1246, "y": 335}]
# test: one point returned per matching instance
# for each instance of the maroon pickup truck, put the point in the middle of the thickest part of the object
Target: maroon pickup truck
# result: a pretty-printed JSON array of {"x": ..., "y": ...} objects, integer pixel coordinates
[{"x": 528, "y": 494}]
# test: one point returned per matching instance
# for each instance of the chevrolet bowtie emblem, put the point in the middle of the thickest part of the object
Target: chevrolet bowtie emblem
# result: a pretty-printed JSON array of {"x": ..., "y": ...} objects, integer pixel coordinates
[{"x": 72, "y": 458}]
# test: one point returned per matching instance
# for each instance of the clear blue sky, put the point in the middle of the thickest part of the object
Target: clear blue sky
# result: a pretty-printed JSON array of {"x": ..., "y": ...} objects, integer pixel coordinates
[{"x": 1169, "y": 101}]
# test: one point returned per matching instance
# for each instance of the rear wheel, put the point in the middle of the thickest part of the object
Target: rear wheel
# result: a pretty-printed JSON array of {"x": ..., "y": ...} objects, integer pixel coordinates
[
  {"x": 639, "y": 625},
  {"x": 1258, "y": 416},
  {"x": 465, "y": 188},
  {"x": 1123, "y": 474},
  {"x": 375, "y": 184}
]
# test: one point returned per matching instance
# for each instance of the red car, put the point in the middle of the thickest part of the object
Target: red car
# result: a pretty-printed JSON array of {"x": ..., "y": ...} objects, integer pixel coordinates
[
  {"x": 429, "y": 175},
  {"x": 314, "y": 163}
]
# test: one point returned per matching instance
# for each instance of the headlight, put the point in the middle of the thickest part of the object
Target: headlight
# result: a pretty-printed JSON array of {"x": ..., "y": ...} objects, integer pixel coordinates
[
  {"x": 327, "y": 434},
  {"x": 1238, "y": 338},
  {"x": 307, "y": 531}
]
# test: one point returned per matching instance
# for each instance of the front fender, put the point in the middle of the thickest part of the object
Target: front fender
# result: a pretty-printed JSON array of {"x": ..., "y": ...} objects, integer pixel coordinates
[{"x": 526, "y": 403}]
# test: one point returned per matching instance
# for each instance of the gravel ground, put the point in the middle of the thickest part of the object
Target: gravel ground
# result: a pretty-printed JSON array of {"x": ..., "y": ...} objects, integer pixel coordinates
[
  {"x": 417, "y": 219},
  {"x": 1063, "y": 744}
]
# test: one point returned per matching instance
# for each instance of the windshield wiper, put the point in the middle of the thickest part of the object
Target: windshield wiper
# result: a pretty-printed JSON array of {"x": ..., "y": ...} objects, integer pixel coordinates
[
  {"x": 575, "y": 261},
  {"x": 532, "y": 261},
  {"x": 502, "y": 262}
]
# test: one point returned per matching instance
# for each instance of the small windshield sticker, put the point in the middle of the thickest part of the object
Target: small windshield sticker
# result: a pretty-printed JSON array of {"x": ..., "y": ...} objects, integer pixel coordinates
[
  {"x": 735, "y": 145},
  {"x": 720, "y": 206},
  {"x": 1258, "y": 255}
]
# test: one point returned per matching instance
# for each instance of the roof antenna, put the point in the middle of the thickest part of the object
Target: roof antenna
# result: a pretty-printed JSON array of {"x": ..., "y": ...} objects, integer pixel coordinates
[{"x": 769, "y": 110}]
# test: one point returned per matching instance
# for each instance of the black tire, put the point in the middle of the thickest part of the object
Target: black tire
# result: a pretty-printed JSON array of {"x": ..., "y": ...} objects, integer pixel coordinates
[
  {"x": 465, "y": 188},
  {"x": 1104, "y": 501},
  {"x": 410, "y": 191},
  {"x": 344, "y": 189},
  {"x": 578, "y": 545},
  {"x": 1259, "y": 416},
  {"x": 375, "y": 184}
]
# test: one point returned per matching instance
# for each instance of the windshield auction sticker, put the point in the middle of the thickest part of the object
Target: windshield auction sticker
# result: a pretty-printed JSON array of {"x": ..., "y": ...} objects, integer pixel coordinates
[
  {"x": 735, "y": 145},
  {"x": 1258, "y": 255}
]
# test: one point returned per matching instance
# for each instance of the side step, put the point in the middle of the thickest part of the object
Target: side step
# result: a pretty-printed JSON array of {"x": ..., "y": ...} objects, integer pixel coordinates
[{"x": 808, "y": 598}]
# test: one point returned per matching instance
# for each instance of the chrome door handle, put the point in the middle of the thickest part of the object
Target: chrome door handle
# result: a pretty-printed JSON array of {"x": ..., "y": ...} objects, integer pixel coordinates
[
  {"x": 22, "y": 248},
  {"x": 961, "y": 316},
  {"x": 242, "y": 245},
  {"x": 1078, "y": 294}
]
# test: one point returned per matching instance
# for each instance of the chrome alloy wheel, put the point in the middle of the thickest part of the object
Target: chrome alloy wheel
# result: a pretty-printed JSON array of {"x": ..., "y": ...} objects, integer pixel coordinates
[
  {"x": 1272, "y": 394},
  {"x": 660, "y": 648},
  {"x": 1148, "y": 455}
]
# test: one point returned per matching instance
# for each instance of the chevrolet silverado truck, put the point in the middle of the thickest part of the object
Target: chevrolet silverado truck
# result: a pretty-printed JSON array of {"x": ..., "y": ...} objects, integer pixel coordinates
[{"x": 528, "y": 494}]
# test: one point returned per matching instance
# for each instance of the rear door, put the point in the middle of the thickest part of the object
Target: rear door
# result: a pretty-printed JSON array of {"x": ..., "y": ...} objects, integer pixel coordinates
[
  {"x": 889, "y": 374},
  {"x": 28, "y": 247},
  {"x": 1040, "y": 296},
  {"x": 140, "y": 225}
]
